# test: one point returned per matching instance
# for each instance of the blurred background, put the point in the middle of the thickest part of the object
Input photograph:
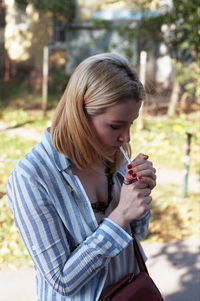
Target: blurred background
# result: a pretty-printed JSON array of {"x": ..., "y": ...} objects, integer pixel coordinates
[{"x": 41, "y": 42}]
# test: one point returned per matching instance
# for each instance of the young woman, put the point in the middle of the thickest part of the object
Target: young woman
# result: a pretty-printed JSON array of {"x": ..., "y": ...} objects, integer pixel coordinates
[{"x": 74, "y": 213}]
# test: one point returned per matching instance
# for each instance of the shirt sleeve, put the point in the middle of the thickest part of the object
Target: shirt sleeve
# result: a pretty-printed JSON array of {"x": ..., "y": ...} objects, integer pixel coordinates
[
  {"x": 140, "y": 225},
  {"x": 48, "y": 240}
]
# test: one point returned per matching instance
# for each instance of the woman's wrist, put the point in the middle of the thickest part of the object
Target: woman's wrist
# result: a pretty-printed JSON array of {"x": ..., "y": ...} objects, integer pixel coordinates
[{"x": 119, "y": 218}]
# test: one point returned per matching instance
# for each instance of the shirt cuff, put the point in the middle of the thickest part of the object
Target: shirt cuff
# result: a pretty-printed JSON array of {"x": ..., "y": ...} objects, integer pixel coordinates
[
  {"x": 142, "y": 220},
  {"x": 118, "y": 239}
]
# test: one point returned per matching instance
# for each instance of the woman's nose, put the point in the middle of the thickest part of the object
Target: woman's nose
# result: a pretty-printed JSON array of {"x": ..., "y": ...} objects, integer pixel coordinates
[{"x": 125, "y": 136}]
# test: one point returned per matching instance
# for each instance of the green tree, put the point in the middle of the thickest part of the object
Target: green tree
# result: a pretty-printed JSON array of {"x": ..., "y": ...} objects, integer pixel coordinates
[
  {"x": 62, "y": 10},
  {"x": 184, "y": 29},
  {"x": 181, "y": 36},
  {"x": 183, "y": 40}
]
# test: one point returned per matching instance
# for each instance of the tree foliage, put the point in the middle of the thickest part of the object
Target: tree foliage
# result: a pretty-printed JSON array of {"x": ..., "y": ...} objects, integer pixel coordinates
[
  {"x": 183, "y": 40},
  {"x": 63, "y": 10},
  {"x": 184, "y": 31}
]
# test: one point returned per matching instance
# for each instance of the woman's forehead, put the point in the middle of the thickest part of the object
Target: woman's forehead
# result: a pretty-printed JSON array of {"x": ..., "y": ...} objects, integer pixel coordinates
[{"x": 122, "y": 112}]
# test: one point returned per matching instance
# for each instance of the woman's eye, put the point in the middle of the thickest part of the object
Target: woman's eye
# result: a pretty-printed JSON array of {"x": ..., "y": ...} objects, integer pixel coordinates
[{"x": 115, "y": 127}]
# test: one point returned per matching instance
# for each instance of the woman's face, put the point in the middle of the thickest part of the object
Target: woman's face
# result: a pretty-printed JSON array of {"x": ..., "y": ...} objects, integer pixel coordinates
[{"x": 113, "y": 126}]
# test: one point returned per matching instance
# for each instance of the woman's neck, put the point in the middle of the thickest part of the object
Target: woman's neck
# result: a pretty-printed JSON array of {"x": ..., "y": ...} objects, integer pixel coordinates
[{"x": 99, "y": 168}]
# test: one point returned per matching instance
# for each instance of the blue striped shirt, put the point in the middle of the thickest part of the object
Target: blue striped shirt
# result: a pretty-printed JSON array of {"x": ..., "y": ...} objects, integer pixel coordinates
[{"x": 71, "y": 252}]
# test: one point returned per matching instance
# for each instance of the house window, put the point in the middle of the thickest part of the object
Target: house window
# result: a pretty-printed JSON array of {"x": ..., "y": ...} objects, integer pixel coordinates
[{"x": 59, "y": 32}]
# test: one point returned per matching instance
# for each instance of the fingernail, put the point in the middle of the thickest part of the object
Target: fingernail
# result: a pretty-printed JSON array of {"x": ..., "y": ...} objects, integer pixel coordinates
[
  {"x": 134, "y": 175},
  {"x": 130, "y": 171},
  {"x": 139, "y": 178},
  {"x": 130, "y": 166},
  {"x": 128, "y": 177}
]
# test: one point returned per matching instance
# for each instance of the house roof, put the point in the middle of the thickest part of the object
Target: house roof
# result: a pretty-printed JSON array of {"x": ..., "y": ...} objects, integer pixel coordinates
[{"x": 124, "y": 14}]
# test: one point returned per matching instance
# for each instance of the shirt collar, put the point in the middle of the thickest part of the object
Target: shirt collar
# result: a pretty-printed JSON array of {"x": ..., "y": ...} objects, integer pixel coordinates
[{"x": 60, "y": 160}]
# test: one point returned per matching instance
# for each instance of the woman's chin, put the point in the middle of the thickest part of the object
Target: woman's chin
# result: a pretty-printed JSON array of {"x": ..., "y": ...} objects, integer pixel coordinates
[{"x": 112, "y": 151}]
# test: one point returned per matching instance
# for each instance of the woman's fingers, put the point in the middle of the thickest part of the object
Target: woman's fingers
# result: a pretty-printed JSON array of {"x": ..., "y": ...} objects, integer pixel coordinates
[
  {"x": 141, "y": 167},
  {"x": 147, "y": 203},
  {"x": 148, "y": 181},
  {"x": 147, "y": 173},
  {"x": 141, "y": 156},
  {"x": 135, "y": 200},
  {"x": 142, "y": 170}
]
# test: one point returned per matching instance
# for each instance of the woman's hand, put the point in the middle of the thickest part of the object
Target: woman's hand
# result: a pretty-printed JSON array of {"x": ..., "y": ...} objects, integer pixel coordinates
[
  {"x": 142, "y": 169},
  {"x": 135, "y": 201}
]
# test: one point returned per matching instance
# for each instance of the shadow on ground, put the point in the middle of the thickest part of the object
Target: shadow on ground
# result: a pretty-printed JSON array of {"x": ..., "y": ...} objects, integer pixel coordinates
[
  {"x": 175, "y": 267},
  {"x": 19, "y": 125}
]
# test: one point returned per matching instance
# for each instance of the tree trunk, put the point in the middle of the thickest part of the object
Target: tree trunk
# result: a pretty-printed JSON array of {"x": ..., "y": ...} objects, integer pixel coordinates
[
  {"x": 174, "y": 99},
  {"x": 7, "y": 66}
]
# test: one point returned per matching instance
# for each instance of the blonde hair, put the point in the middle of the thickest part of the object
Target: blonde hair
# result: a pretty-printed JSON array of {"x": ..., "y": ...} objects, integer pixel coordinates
[{"x": 97, "y": 83}]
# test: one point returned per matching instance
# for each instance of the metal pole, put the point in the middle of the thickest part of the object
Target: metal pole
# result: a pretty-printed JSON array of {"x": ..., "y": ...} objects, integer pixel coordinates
[
  {"x": 45, "y": 79},
  {"x": 186, "y": 165},
  {"x": 142, "y": 76}
]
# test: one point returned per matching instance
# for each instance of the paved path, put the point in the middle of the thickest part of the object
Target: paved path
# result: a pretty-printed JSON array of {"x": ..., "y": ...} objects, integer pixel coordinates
[
  {"x": 17, "y": 285},
  {"x": 175, "y": 268},
  {"x": 165, "y": 175}
]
